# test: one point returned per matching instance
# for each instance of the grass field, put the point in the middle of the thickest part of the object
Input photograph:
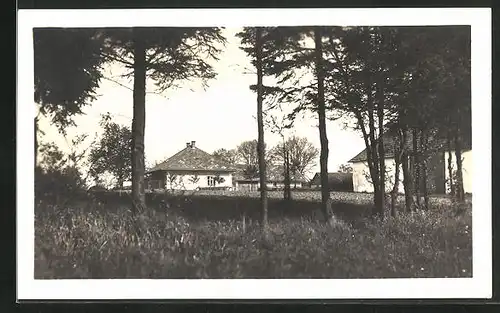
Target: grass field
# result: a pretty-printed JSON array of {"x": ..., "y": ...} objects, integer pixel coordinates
[
  {"x": 99, "y": 243},
  {"x": 308, "y": 195}
]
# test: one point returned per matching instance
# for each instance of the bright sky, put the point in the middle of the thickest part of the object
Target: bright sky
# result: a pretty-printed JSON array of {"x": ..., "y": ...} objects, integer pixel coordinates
[{"x": 222, "y": 116}]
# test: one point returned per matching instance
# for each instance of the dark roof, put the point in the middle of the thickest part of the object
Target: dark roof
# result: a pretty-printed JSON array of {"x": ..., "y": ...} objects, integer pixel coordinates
[
  {"x": 193, "y": 159},
  {"x": 333, "y": 178},
  {"x": 388, "y": 140}
]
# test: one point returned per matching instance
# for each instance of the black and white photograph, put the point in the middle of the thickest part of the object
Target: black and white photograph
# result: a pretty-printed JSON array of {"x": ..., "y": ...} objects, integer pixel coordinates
[{"x": 237, "y": 153}]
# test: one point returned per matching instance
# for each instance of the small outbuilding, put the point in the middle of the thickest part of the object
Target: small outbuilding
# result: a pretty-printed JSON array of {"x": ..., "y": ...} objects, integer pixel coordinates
[{"x": 336, "y": 181}]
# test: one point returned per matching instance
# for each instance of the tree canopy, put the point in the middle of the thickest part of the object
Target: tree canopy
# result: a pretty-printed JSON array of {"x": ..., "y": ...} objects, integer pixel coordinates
[
  {"x": 112, "y": 153},
  {"x": 68, "y": 69},
  {"x": 301, "y": 152}
]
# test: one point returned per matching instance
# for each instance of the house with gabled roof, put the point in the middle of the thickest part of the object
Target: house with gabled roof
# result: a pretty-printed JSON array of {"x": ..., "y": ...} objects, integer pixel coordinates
[
  {"x": 190, "y": 169},
  {"x": 438, "y": 176}
]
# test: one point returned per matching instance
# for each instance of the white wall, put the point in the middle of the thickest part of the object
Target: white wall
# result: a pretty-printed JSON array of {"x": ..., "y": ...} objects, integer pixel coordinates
[
  {"x": 282, "y": 185},
  {"x": 362, "y": 184},
  {"x": 184, "y": 181},
  {"x": 466, "y": 169},
  {"x": 361, "y": 176}
]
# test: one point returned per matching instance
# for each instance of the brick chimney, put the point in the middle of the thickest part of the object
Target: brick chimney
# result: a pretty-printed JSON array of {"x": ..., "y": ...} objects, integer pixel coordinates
[
  {"x": 193, "y": 144},
  {"x": 188, "y": 145}
]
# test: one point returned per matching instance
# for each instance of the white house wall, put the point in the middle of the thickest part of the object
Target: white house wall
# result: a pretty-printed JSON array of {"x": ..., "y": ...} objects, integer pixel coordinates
[
  {"x": 362, "y": 182},
  {"x": 466, "y": 169},
  {"x": 185, "y": 181},
  {"x": 361, "y": 176}
]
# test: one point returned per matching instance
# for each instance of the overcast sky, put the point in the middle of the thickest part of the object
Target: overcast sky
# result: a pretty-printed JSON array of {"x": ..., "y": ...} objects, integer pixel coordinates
[{"x": 222, "y": 116}]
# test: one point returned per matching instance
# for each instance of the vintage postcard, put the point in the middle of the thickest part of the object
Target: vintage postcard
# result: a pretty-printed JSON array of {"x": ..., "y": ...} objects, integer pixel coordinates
[{"x": 254, "y": 154}]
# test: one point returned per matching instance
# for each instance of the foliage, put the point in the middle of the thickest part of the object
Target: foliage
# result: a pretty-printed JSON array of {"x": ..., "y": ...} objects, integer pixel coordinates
[
  {"x": 51, "y": 157},
  {"x": 247, "y": 155},
  {"x": 68, "y": 65},
  {"x": 173, "y": 54},
  {"x": 194, "y": 179},
  {"x": 345, "y": 168},
  {"x": 57, "y": 178},
  {"x": 175, "y": 181},
  {"x": 173, "y": 247},
  {"x": 247, "y": 152},
  {"x": 302, "y": 155},
  {"x": 113, "y": 152},
  {"x": 227, "y": 156}
]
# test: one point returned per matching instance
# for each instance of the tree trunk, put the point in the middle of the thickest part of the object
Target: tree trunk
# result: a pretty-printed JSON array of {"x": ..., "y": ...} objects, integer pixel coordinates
[
  {"x": 407, "y": 178},
  {"x": 36, "y": 141},
  {"x": 460, "y": 194},
  {"x": 325, "y": 192},
  {"x": 138, "y": 123},
  {"x": 119, "y": 182},
  {"x": 381, "y": 150},
  {"x": 416, "y": 166},
  {"x": 395, "y": 188},
  {"x": 424, "y": 140},
  {"x": 374, "y": 150},
  {"x": 450, "y": 166},
  {"x": 287, "y": 192},
  {"x": 398, "y": 152},
  {"x": 294, "y": 180},
  {"x": 407, "y": 182},
  {"x": 260, "y": 126},
  {"x": 370, "y": 153}
]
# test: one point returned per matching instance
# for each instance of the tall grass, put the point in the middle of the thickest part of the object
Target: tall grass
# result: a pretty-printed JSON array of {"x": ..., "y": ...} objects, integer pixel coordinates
[{"x": 78, "y": 243}]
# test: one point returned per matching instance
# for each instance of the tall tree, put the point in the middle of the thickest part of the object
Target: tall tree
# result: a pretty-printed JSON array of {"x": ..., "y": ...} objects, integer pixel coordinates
[
  {"x": 138, "y": 120},
  {"x": 360, "y": 81},
  {"x": 68, "y": 67},
  {"x": 440, "y": 88},
  {"x": 112, "y": 153},
  {"x": 302, "y": 155},
  {"x": 297, "y": 55},
  {"x": 321, "y": 107},
  {"x": 260, "y": 128},
  {"x": 252, "y": 40},
  {"x": 168, "y": 56},
  {"x": 247, "y": 154}
]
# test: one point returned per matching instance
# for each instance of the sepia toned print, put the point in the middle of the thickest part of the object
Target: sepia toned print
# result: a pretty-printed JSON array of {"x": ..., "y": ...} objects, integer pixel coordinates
[{"x": 253, "y": 152}]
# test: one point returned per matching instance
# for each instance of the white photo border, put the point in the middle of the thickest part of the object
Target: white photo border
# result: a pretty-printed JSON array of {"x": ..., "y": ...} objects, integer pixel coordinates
[{"x": 479, "y": 286}]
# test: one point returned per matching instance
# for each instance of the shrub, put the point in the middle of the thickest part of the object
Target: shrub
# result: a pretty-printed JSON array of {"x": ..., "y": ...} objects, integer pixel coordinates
[{"x": 57, "y": 185}]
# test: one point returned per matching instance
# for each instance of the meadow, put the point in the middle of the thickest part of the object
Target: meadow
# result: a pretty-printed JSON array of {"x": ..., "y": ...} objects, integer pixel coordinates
[{"x": 101, "y": 241}]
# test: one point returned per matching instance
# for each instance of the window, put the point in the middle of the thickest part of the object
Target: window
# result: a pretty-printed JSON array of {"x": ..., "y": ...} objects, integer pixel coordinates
[{"x": 211, "y": 181}]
